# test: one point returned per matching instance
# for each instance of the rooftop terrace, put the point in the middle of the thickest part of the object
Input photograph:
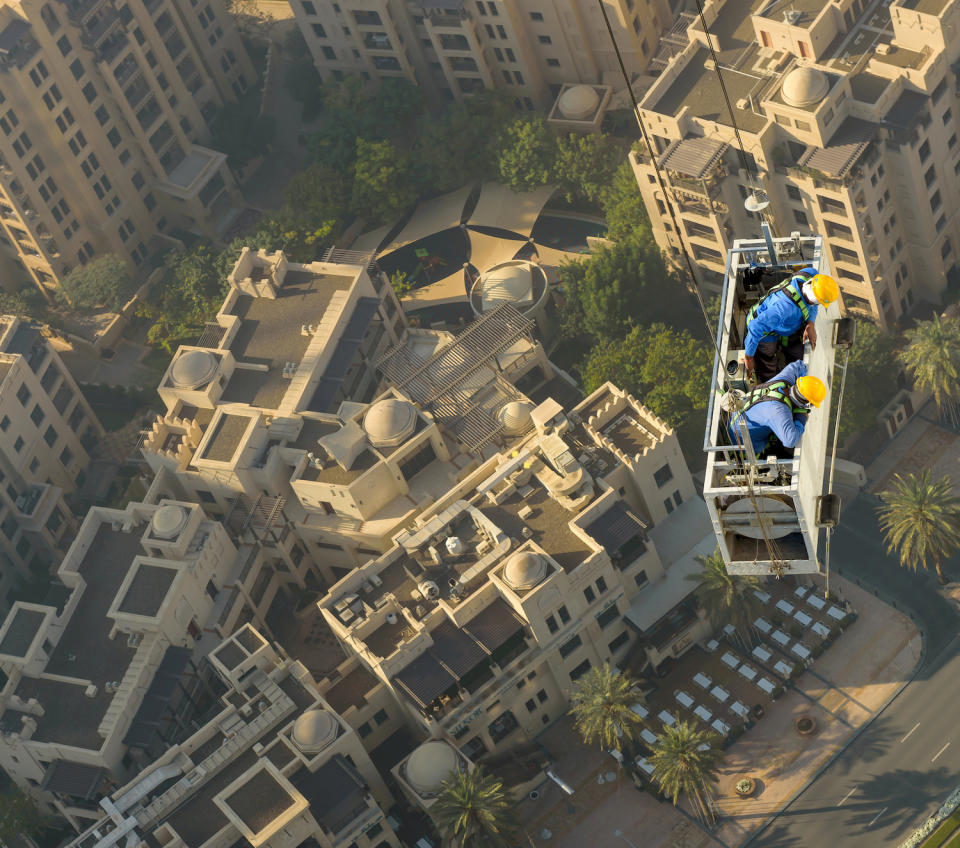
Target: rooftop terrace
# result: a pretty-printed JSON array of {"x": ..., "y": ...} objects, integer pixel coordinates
[
  {"x": 147, "y": 590},
  {"x": 21, "y": 632},
  {"x": 225, "y": 439}
]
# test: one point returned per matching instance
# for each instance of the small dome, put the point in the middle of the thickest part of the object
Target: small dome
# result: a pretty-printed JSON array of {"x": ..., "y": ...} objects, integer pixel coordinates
[
  {"x": 515, "y": 417},
  {"x": 430, "y": 765},
  {"x": 524, "y": 570},
  {"x": 804, "y": 86},
  {"x": 511, "y": 282},
  {"x": 168, "y": 521},
  {"x": 193, "y": 369},
  {"x": 388, "y": 422},
  {"x": 314, "y": 731},
  {"x": 579, "y": 102}
]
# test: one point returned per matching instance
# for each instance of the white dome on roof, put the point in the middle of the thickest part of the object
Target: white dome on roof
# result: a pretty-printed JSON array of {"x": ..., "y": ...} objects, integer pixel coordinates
[
  {"x": 193, "y": 369},
  {"x": 168, "y": 521},
  {"x": 804, "y": 86},
  {"x": 515, "y": 417},
  {"x": 524, "y": 570},
  {"x": 578, "y": 102},
  {"x": 314, "y": 730},
  {"x": 510, "y": 282},
  {"x": 389, "y": 421},
  {"x": 430, "y": 765}
]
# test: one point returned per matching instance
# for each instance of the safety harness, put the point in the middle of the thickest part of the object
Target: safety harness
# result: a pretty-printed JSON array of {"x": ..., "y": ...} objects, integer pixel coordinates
[
  {"x": 793, "y": 293},
  {"x": 775, "y": 390}
]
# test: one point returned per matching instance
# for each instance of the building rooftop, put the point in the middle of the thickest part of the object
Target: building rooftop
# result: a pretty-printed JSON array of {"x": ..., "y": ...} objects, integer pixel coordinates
[
  {"x": 867, "y": 87},
  {"x": 928, "y": 7},
  {"x": 335, "y": 791},
  {"x": 70, "y": 716},
  {"x": 147, "y": 590},
  {"x": 349, "y": 690},
  {"x": 336, "y": 475},
  {"x": 21, "y": 632},
  {"x": 807, "y": 10},
  {"x": 225, "y": 439},
  {"x": 270, "y": 334},
  {"x": 259, "y": 801}
]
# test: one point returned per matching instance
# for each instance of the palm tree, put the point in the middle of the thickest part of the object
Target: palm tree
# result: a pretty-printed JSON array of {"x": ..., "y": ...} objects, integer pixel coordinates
[
  {"x": 473, "y": 811},
  {"x": 685, "y": 759},
  {"x": 932, "y": 357},
  {"x": 921, "y": 521},
  {"x": 601, "y": 706},
  {"x": 727, "y": 599}
]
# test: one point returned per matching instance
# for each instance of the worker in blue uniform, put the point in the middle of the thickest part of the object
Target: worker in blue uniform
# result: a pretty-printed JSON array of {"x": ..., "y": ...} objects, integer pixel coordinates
[
  {"x": 776, "y": 412},
  {"x": 783, "y": 320}
]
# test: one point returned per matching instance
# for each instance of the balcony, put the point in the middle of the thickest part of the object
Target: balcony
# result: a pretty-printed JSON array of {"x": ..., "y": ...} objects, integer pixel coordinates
[
  {"x": 376, "y": 41},
  {"x": 446, "y": 19},
  {"x": 79, "y": 10},
  {"x": 110, "y": 49},
  {"x": 454, "y": 42},
  {"x": 99, "y": 26},
  {"x": 699, "y": 189}
]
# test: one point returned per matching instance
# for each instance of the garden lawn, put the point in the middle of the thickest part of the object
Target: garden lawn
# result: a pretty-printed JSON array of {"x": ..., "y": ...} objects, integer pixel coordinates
[{"x": 948, "y": 829}]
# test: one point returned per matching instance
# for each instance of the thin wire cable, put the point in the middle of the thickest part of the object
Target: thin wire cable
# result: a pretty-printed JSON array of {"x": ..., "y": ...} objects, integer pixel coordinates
[
  {"x": 772, "y": 548},
  {"x": 833, "y": 465},
  {"x": 754, "y": 177}
]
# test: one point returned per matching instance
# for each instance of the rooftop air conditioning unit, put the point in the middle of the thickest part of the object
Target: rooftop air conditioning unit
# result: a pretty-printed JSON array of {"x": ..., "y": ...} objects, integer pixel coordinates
[
  {"x": 391, "y": 618},
  {"x": 883, "y": 49},
  {"x": 91, "y": 691}
]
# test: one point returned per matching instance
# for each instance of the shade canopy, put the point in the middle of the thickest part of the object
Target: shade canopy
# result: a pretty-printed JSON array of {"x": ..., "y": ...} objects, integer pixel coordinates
[{"x": 499, "y": 207}]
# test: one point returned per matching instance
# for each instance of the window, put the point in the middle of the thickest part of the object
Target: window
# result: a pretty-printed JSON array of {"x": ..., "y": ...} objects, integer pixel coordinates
[
  {"x": 23, "y": 394},
  {"x": 601, "y": 585},
  {"x": 552, "y": 625},
  {"x": 564, "y": 615},
  {"x": 76, "y": 68},
  {"x": 318, "y": 30},
  {"x": 640, "y": 578},
  {"x": 935, "y": 201},
  {"x": 308, "y": 7},
  {"x": 793, "y": 192},
  {"x": 553, "y": 63},
  {"x": 502, "y": 33},
  {"x": 800, "y": 218},
  {"x": 536, "y": 16},
  {"x": 570, "y": 646},
  {"x": 5, "y": 423},
  {"x": 947, "y": 117},
  {"x": 924, "y": 152},
  {"x": 941, "y": 223},
  {"x": 531, "y": 705},
  {"x": 37, "y": 415},
  {"x": 365, "y": 729},
  {"x": 945, "y": 249},
  {"x": 542, "y": 696},
  {"x": 18, "y": 444},
  {"x": 931, "y": 173},
  {"x": 381, "y": 716},
  {"x": 662, "y": 475},
  {"x": 66, "y": 456},
  {"x": 619, "y": 642},
  {"x": 676, "y": 498},
  {"x": 34, "y": 465},
  {"x": 328, "y": 52},
  {"x": 580, "y": 670},
  {"x": 544, "y": 39},
  {"x": 518, "y": 77},
  {"x": 938, "y": 91},
  {"x": 50, "y": 436},
  {"x": 589, "y": 595},
  {"x": 608, "y": 616}
]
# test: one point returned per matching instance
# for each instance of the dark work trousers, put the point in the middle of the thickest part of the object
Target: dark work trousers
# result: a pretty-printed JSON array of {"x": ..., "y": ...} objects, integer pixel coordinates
[{"x": 773, "y": 356}]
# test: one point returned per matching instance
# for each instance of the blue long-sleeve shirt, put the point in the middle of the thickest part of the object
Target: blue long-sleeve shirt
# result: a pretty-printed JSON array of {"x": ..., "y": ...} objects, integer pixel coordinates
[
  {"x": 778, "y": 315},
  {"x": 772, "y": 417}
]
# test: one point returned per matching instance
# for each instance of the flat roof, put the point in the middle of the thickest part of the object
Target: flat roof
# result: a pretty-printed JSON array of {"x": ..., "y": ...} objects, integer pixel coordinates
[
  {"x": 259, "y": 801},
  {"x": 337, "y": 794},
  {"x": 349, "y": 690},
  {"x": 928, "y": 7},
  {"x": 148, "y": 589},
  {"x": 808, "y": 9},
  {"x": 70, "y": 717},
  {"x": 21, "y": 632},
  {"x": 334, "y": 474},
  {"x": 867, "y": 88},
  {"x": 226, "y": 436},
  {"x": 270, "y": 333},
  {"x": 190, "y": 167}
]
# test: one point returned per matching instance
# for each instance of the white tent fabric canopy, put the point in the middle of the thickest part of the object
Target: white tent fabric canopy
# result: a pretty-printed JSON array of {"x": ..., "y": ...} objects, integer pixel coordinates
[
  {"x": 450, "y": 289},
  {"x": 505, "y": 209},
  {"x": 431, "y": 217},
  {"x": 371, "y": 241},
  {"x": 487, "y": 251}
]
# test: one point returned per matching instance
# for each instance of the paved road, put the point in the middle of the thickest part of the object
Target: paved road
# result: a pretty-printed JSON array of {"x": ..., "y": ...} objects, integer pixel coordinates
[{"x": 906, "y": 761}]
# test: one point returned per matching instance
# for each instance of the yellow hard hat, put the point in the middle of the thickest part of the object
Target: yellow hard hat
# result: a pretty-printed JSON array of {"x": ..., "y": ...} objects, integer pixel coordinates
[
  {"x": 812, "y": 388},
  {"x": 825, "y": 289}
]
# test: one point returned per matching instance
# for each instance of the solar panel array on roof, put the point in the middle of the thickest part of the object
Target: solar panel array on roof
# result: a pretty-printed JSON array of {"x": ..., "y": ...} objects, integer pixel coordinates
[
  {"x": 615, "y": 528},
  {"x": 494, "y": 626},
  {"x": 78, "y": 780},
  {"x": 162, "y": 688}
]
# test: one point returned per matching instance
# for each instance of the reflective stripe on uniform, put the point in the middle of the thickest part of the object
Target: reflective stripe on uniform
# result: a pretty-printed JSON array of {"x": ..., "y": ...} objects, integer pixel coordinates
[{"x": 796, "y": 296}]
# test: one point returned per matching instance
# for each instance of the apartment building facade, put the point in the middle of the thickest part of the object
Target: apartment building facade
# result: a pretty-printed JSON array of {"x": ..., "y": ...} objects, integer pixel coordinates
[
  {"x": 847, "y": 118},
  {"x": 46, "y": 429},
  {"x": 275, "y": 766},
  {"x": 523, "y": 47},
  {"x": 105, "y": 114}
]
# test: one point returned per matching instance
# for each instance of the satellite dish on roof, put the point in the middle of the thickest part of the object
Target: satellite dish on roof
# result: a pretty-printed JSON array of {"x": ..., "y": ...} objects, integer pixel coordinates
[{"x": 757, "y": 201}]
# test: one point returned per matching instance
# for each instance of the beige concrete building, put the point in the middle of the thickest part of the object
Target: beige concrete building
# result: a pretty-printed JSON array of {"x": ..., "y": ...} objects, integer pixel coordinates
[
  {"x": 847, "y": 110},
  {"x": 103, "y": 124},
  {"x": 275, "y": 767},
  {"x": 569, "y": 548},
  {"x": 46, "y": 429},
  {"x": 524, "y": 47},
  {"x": 100, "y": 678}
]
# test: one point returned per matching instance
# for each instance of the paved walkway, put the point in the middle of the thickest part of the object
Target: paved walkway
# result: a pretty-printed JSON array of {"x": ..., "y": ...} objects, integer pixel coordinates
[{"x": 846, "y": 687}]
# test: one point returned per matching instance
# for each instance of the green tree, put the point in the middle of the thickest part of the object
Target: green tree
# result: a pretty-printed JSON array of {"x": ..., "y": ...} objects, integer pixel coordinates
[
  {"x": 585, "y": 166},
  {"x": 727, "y": 599},
  {"x": 932, "y": 357},
  {"x": 301, "y": 239},
  {"x": 19, "y": 817},
  {"x": 473, "y": 810},
  {"x": 241, "y": 132},
  {"x": 920, "y": 520},
  {"x": 103, "y": 282},
  {"x": 302, "y": 79},
  {"x": 528, "y": 151},
  {"x": 401, "y": 283},
  {"x": 623, "y": 208},
  {"x": 382, "y": 186},
  {"x": 601, "y": 706},
  {"x": 668, "y": 368},
  {"x": 685, "y": 760},
  {"x": 871, "y": 379},
  {"x": 319, "y": 193}
]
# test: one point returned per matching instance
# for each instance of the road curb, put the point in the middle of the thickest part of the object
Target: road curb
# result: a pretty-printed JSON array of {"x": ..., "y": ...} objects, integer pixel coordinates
[{"x": 856, "y": 733}]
